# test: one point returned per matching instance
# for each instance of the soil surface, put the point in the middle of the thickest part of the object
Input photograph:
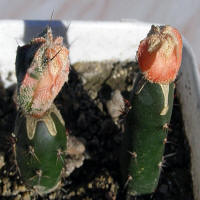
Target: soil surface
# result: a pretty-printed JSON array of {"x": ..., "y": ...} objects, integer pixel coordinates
[{"x": 95, "y": 131}]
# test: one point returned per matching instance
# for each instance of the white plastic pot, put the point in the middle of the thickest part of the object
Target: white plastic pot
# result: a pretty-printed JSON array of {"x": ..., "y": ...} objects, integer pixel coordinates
[{"x": 110, "y": 41}]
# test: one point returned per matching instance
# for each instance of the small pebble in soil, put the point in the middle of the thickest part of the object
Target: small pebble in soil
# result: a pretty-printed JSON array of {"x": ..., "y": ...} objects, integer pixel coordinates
[
  {"x": 115, "y": 105},
  {"x": 2, "y": 163}
]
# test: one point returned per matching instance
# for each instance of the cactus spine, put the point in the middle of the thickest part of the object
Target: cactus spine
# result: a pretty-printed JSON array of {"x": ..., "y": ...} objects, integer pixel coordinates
[
  {"x": 42, "y": 67},
  {"x": 159, "y": 57}
]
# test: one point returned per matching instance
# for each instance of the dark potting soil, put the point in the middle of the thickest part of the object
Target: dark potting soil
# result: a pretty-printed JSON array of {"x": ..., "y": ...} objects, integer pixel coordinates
[{"x": 93, "y": 174}]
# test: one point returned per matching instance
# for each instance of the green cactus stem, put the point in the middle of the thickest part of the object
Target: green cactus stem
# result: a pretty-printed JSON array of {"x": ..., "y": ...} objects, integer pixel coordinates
[
  {"x": 39, "y": 149},
  {"x": 143, "y": 144}
]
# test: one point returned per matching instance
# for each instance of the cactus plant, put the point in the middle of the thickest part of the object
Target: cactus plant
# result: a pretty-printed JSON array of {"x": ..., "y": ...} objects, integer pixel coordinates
[
  {"x": 42, "y": 67},
  {"x": 159, "y": 57}
]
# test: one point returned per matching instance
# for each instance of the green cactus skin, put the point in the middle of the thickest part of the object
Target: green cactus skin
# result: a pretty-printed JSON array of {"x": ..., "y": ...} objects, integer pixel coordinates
[
  {"x": 145, "y": 132},
  {"x": 39, "y": 154}
]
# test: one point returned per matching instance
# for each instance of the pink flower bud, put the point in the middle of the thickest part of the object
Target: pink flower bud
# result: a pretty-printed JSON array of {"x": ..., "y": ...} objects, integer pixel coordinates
[{"x": 47, "y": 67}]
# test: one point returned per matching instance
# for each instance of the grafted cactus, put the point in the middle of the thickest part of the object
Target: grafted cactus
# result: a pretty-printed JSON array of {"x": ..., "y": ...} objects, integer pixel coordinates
[
  {"x": 159, "y": 57},
  {"x": 42, "y": 67}
]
